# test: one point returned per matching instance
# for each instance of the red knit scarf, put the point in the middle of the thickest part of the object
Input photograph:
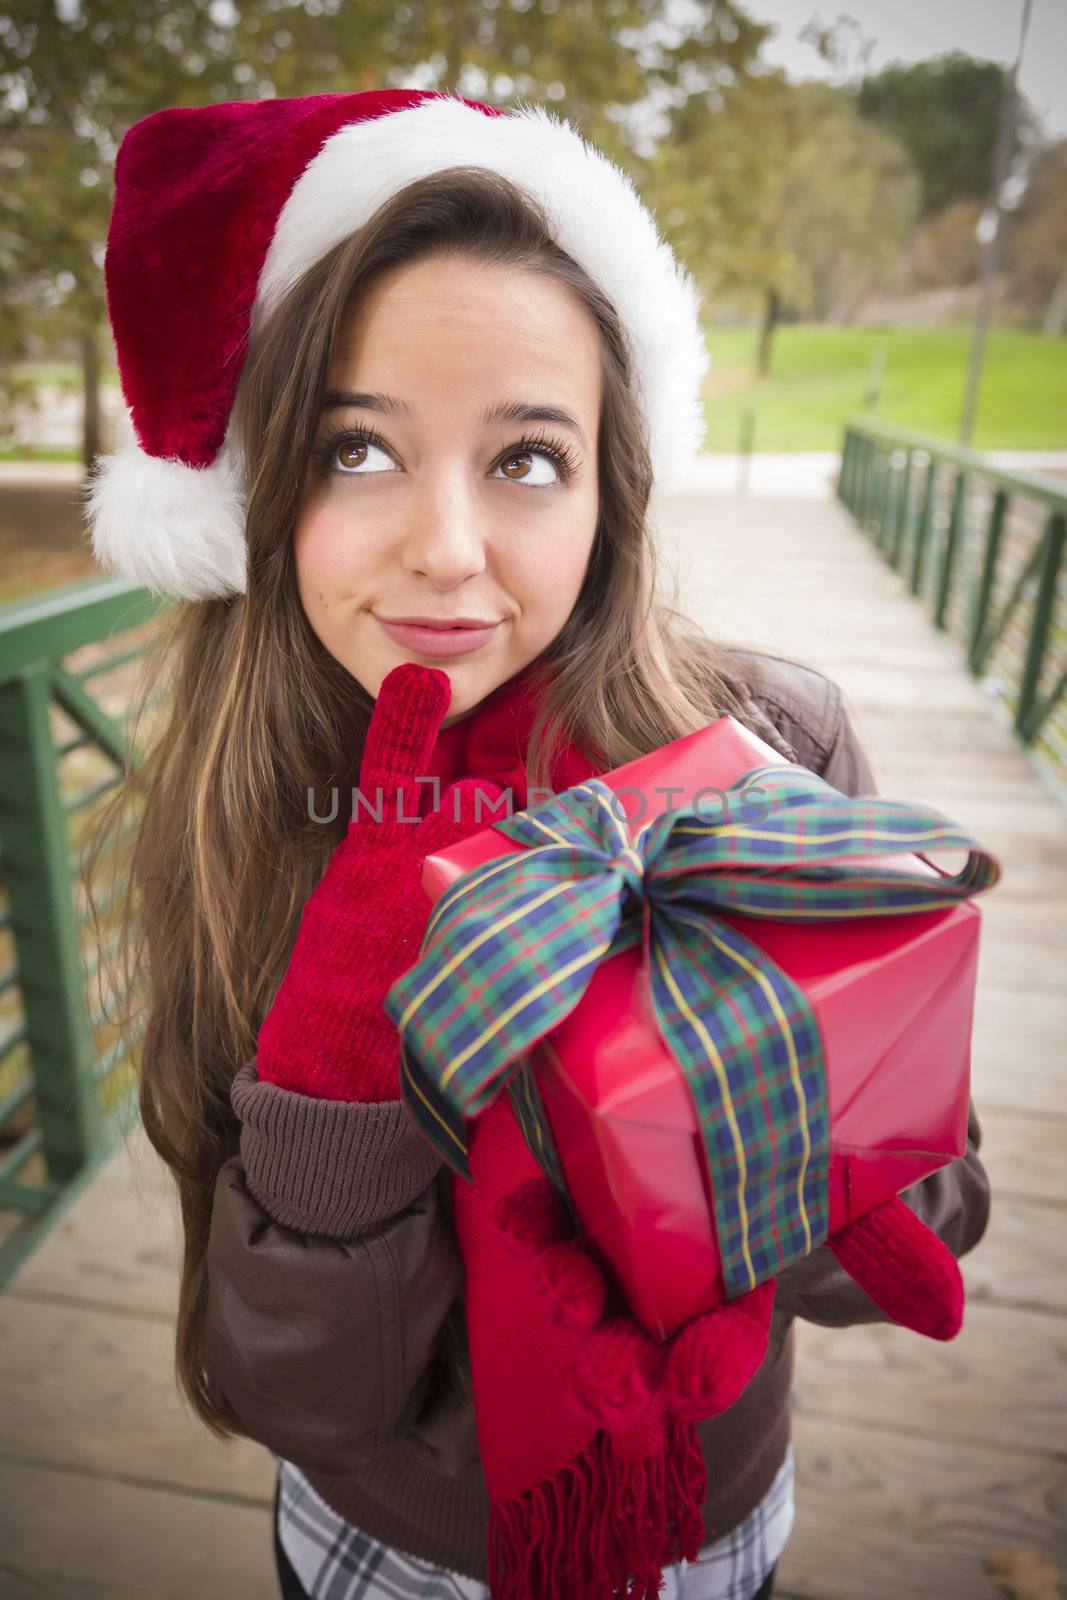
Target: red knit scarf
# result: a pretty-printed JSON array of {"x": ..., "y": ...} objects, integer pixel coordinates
[{"x": 575, "y": 1513}]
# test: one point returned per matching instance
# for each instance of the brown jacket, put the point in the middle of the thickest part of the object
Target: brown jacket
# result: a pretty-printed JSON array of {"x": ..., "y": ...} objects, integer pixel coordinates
[{"x": 333, "y": 1267}]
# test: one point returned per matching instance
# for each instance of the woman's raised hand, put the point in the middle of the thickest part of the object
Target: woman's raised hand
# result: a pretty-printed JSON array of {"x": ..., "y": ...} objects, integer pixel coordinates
[{"x": 327, "y": 1033}]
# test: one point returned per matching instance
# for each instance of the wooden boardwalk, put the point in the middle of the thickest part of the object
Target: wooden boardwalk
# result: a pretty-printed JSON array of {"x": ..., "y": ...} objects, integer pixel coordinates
[{"x": 915, "y": 1460}]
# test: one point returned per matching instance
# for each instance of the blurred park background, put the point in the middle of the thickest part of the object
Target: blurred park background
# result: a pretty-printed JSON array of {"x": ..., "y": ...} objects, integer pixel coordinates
[{"x": 874, "y": 206}]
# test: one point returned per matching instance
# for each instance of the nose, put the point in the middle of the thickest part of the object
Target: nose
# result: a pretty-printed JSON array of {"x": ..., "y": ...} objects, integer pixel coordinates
[{"x": 444, "y": 538}]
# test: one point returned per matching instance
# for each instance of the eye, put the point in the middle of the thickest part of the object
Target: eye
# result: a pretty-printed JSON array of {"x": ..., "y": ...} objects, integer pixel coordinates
[
  {"x": 556, "y": 451},
  {"x": 550, "y": 470},
  {"x": 347, "y": 452}
]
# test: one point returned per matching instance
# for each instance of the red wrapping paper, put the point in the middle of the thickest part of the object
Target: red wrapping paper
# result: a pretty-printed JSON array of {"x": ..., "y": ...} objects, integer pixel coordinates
[{"x": 894, "y": 1002}]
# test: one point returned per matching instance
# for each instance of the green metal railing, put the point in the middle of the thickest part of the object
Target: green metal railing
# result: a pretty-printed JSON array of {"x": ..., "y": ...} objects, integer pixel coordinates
[
  {"x": 984, "y": 549},
  {"x": 62, "y": 1096}
]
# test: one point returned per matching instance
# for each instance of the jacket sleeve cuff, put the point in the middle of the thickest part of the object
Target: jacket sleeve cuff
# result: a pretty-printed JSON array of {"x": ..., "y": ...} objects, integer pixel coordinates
[{"x": 333, "y": 1167}]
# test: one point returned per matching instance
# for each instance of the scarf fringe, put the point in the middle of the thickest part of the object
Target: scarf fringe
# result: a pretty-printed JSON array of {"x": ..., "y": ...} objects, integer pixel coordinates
[
  {"x": 687, "y": 1487},
  {"x": 604, "y": 1526}
]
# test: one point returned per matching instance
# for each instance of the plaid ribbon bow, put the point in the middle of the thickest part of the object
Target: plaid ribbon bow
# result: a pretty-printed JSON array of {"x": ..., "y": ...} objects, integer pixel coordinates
[{"x": 512, "y": 945}]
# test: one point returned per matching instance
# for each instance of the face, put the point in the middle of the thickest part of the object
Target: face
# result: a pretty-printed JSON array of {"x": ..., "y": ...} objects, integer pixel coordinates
[{"x": 419, "y": 502}]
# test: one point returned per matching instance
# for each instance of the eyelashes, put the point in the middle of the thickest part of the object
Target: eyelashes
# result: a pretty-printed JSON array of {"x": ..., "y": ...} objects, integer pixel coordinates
[
  {"x": 559, "y": 452},
  {"x": 324, "y": 453}
]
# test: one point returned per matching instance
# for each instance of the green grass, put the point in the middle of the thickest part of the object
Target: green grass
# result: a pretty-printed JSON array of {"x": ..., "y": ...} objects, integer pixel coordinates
[
  {"x": 59, "y": 374},
  {"x": 27, "y": 452},
  {"x": 819, "y": 376}
]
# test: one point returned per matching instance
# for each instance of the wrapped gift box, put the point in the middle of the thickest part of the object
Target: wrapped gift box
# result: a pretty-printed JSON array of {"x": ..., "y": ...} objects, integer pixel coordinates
[{"x": 893, "y": 997}]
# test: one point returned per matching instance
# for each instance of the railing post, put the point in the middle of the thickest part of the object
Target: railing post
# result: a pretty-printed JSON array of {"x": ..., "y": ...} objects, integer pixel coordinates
[
  {"x": 901, "y": 524},
  {"x": 887, "y": 518},
  {"x": 926, "y": 522},
  {"x": 844, "y": 477},
  {"x": 855, "y": 466},
  {"x": 37, "y": 870},
  {"x": 855, "y": 487},
  {"x": 744, "y": 452},
  {"x": 876, "y": 486},
  {"x": 990, "y": 558},
  {"x": 866, "y": 485},
  {"x": 881, "y": 478},
  {"x": 952, "y": 542},
  {"x": 1041, "y": 626}
]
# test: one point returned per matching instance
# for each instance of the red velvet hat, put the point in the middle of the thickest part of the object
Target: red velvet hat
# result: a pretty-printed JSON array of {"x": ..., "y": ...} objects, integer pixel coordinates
[{"x": 219, "y": 209}]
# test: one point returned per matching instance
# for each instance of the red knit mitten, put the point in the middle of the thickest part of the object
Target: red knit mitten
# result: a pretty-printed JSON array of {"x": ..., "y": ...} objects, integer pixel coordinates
[
  {"x": 904, "y": 1267},
  {"x": 327, "y": 1033},
  {"x": 622, "y": 1377}
]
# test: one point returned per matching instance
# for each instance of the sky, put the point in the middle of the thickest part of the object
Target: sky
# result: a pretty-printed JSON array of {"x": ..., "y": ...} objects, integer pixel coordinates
[{"x": 910, "y": 30}]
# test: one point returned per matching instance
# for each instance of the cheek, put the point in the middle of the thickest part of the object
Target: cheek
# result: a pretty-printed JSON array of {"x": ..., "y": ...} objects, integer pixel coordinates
[
  {"x": 323, "y": 552},
  {"x": 547, "y": 573}
]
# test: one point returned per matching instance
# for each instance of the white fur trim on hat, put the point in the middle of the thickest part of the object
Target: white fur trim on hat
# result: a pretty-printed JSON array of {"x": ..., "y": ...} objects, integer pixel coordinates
[{"x": 176, "y": 529}]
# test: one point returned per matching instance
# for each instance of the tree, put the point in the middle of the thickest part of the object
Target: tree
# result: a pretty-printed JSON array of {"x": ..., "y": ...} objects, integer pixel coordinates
[
  {"x": 785, "y": 191},
  {"x": 946, "y": 249},
  {"x": 945, "y": 112},
  {"x": 1036, "y": 239},
  {"x": 72, "y": 79},
  {"x": 850, "y": 198},
  {"x": 74, "y": 75}
]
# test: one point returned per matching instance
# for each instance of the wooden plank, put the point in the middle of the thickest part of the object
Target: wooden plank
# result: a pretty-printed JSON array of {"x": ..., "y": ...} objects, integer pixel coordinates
[
  {"x": 1002, "y": 1382},
  {"x": 882, "y": 1516},
  {"x": 77, "y": 1536},
  {"x": 921, "y": 739},
  {"x": 1022, "y": 1259},
  {"x": 1013, "y": 1009},
  {"x": 952, "y": 790},
  {"x": 1018, "y": 1056},
  {"x": 88, "y": 1388},
  {"x": 117, "y": 1245},
  {"x": 945, "y": 695},
  {"x": 1026, "y": 1156},
  {"x": 1017, "y": 1075},
  {"x": 1038, "y": 927},
  {"x": 1036, "y": 967}
]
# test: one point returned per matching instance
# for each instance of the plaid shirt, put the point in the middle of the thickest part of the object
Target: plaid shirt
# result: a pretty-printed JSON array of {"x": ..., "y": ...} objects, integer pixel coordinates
[{"x": 335, "y": 1561}]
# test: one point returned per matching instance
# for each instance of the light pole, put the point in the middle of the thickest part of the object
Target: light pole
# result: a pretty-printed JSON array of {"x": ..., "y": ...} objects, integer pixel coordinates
[{"x": 989, "y": 232}]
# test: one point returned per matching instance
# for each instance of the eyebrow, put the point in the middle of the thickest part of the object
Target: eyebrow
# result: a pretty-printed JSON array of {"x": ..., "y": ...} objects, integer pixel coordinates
[{"x": 502, "y": 411}]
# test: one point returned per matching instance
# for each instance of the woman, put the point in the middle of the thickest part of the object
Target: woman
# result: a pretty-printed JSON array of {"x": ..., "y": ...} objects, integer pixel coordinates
[{"x": 465, "y": 358}]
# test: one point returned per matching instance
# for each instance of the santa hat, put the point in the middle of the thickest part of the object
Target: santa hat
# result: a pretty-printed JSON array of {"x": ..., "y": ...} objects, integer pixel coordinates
[{"x": 220, "y": 209}]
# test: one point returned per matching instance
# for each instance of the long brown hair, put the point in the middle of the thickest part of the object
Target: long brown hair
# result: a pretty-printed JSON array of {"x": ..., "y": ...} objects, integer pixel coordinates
[{"x": 224, "y": 853}]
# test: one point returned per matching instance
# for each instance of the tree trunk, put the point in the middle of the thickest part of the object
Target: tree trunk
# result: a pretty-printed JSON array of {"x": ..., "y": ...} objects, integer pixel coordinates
[
  {"x": 90, "y": 360},
  {"x": 771, "y": 308},
  {"x": 1056, "y": 310}
]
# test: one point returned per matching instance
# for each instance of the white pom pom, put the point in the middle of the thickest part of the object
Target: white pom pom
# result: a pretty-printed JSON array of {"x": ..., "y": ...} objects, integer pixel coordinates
[{"x": 178, "y": 530}]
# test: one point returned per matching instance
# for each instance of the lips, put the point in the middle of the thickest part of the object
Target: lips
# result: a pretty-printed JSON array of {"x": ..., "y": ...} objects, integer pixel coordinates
[
  {"x": 442, "y": 640},
  {"x": 443, "y": 622}
]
